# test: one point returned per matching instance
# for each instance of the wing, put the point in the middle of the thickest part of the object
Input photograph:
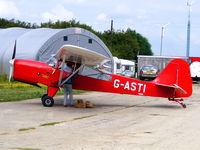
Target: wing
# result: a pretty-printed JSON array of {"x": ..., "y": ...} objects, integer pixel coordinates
[{"x": 80, "y": 55}]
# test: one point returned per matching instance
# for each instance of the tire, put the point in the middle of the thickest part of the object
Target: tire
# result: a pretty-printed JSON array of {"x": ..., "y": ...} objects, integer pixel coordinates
[
  {"x": 43, "y": 96},
  {"x": 47, "y": 101},
  {"x": 184, "y": 106}
]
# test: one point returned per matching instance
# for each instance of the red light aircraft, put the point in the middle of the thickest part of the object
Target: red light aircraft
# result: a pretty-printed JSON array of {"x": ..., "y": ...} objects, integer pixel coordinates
[{"x": 174, "y": 82}]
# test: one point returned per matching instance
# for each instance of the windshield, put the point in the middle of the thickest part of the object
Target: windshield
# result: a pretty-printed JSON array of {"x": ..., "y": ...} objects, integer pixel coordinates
[
  {"x": 106, "y": 67},
  {"x": 52, "y": 61},
  {"x": 148, "y": 68}
]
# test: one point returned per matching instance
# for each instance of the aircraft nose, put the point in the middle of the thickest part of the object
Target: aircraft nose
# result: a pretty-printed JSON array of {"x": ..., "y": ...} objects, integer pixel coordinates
[{"x": 12, "y": 61}]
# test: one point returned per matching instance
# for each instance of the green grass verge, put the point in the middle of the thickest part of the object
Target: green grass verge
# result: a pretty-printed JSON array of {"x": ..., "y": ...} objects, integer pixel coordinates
[
  {"x": 26, "y": 129},
  {"x": 83, "y": 117},
  {"x": 16, "y": 91},
  {"x": 50, "y": 123}
]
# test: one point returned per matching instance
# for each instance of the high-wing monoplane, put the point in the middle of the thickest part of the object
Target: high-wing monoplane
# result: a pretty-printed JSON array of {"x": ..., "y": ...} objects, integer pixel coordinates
[{"x": 89, "y": 67}]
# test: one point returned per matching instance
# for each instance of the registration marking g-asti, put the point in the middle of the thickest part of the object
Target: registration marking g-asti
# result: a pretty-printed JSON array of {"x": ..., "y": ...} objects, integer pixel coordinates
[{"x": 131, "y": 86}]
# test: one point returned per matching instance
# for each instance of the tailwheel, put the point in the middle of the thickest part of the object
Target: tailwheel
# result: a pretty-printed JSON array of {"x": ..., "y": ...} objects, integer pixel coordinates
[
  {"x": 47, "y": 101},
  {"x": 184, "y": 106},
  {"x": 180, "y": 101}
]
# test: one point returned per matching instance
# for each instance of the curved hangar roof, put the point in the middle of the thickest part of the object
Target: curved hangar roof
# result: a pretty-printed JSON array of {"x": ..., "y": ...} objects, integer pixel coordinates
[{"x": 39, "y": 44}]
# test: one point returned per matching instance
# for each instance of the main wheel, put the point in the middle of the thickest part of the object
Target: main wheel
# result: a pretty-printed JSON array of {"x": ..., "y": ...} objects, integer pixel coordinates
[
  {"x": 43, "y": 96},
  {"x": 47, "y": 101}
]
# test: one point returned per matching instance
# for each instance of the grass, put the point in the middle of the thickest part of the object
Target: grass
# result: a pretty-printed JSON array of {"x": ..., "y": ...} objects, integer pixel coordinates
[
  {"x": 83, "y": 117},
  {"x": 26, "y": 129},
  {"x": 5, "y": 133},
  {"x": 148, "y": 132},
  {"x": 3, "y": 78},
  {"x": 54, "y": 123},
  {"x": 50, "y": 124},
  {"x": 16, "y": 91}
]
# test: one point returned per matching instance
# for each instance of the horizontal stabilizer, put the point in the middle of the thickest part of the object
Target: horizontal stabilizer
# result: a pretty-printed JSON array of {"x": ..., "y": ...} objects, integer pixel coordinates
[{"x": 175, "y": 86}]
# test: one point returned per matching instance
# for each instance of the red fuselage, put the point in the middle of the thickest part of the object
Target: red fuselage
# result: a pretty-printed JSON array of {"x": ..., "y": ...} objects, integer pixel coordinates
[{"x": 34, "y": 72}]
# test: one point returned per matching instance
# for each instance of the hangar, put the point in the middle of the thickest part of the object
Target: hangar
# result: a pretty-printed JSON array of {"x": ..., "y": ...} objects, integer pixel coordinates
[{"x": 39, "y": 44}]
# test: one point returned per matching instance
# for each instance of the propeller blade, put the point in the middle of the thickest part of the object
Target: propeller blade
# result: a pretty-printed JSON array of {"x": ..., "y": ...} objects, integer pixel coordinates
[
  {"x": 10, "y": 75},
  {"x": 11, "y": 69},
  {"x": 12, "y": 61},
  {"x": 14, "y": 50}
]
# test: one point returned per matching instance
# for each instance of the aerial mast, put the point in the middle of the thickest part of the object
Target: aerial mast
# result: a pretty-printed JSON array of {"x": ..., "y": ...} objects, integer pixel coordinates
[{"x": 189, "y": 4}]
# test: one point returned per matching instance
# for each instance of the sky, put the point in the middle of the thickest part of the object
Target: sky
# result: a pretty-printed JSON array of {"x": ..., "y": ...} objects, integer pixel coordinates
[{"x": 144, "y": 16}]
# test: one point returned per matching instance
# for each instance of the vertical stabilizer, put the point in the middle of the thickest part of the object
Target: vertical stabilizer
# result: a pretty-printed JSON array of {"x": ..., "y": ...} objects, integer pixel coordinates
[{"x": 176, "y": 75}]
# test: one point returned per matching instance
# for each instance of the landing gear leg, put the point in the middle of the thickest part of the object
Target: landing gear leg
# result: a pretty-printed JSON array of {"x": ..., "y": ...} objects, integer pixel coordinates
[{"x": 180, "y": 101}]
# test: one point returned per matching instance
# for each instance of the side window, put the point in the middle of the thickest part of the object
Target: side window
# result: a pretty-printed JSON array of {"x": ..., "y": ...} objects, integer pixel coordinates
[
  {"x": 89, "y": 72},
  {"x": 65, "y": 38},
  {"x": 127, "y": 67},
  {"x": 118, "y": 66},
  {"x": 90, "y": 41}
]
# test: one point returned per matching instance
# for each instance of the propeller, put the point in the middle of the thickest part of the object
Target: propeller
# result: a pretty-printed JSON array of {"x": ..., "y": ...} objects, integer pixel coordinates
[
  {"x": 14, "y": 50},
  {"x": 12, "y": 61}
]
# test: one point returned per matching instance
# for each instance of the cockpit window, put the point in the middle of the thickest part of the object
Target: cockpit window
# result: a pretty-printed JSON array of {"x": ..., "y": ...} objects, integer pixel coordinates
[
  {"x": 52, "y": 61},
  {"x": 93, "y": 73}
]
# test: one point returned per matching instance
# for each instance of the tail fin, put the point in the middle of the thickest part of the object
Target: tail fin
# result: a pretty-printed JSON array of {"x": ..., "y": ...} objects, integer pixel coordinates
[{"x": 176, "y": 75}]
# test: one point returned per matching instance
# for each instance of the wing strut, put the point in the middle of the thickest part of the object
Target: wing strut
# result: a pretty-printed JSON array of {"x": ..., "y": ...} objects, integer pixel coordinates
[{"x": 71, "y": 75}]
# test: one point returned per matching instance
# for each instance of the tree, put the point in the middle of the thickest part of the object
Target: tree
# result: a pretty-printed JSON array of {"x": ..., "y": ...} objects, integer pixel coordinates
[
  {"x": 124, "y": 44},
  {"x": 4, "y": 23},
  {"x": 127, "y": 44},
  {"x": 66, "y": 24},
  {"x": 144, "y": 45}
]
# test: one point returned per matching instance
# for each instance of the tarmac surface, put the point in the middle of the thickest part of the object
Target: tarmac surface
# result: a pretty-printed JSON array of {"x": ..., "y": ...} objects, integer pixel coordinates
[{"x": 118, "y": 122}]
